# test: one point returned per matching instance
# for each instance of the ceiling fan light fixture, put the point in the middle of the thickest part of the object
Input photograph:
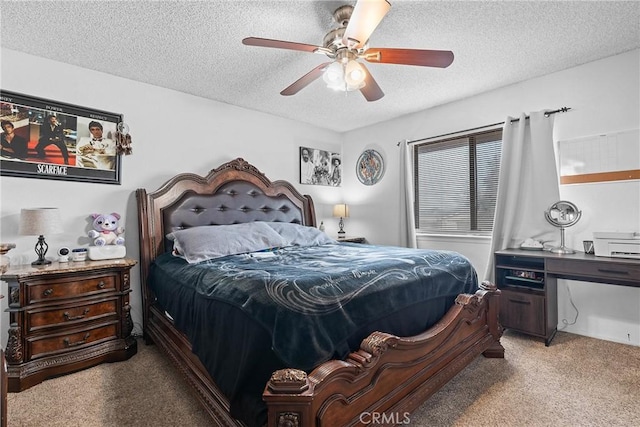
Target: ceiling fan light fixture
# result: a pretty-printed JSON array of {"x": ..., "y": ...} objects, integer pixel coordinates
[
  {"x": 345, "y": 75},
  {"x": 354, "y": 75},
  {"x": 334, "y": 76},
  {"x": 347, "y": 47}
]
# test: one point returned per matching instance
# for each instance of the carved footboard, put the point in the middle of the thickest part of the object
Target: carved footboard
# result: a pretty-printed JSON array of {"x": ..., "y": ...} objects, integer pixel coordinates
[{"x": 388, "y": 377}]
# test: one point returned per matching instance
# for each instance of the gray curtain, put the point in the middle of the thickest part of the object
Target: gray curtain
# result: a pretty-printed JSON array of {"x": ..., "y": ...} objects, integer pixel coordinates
[
  {"x": 527, "y": 185},
  {"x": 407, "y": 197}
]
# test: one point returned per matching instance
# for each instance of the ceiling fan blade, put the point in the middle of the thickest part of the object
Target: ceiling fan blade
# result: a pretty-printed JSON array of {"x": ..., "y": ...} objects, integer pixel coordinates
[
  {"x": 366, "y": 16},
  {"x": 424, "y": 58},
  {"x": 305, "y": 80},
  {"x": 280, "y": 44},
  {"x": 371, "y": 90}
]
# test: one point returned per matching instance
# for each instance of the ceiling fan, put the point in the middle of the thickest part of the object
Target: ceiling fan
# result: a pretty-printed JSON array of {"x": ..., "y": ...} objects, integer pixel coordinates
[{"x": 347, "y": 44}]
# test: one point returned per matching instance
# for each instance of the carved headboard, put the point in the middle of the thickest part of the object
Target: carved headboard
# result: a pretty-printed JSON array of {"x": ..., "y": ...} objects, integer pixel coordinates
[{"x": 236, "y": 192}]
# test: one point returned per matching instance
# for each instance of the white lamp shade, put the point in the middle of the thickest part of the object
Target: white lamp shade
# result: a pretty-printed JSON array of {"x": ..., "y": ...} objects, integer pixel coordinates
[
  {"x": 40, "y": 221},
  {"x": 334, "y": 76},
  {"x": 354, "y": 75},
  {"x": 341, "y": 211}
]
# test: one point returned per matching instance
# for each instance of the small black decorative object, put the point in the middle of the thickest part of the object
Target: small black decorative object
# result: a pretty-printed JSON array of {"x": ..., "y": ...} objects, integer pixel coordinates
[{"x": 588, "y": 247}]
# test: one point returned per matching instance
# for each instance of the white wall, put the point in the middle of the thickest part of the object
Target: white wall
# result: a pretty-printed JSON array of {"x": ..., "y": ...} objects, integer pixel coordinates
[
  {"x": 172, "y": 132},
  {"x": 175, "y": 132},
  {"x": 604, "y": 96}
]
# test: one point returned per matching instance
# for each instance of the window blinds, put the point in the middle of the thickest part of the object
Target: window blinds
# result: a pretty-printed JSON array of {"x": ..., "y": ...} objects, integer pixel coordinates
[{"x": 456, "y": 183}]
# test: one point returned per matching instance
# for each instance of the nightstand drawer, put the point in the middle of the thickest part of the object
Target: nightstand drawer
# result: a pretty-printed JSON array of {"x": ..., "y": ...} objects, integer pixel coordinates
[
  {"x": 52, "y": 344},
  {"x": 47, "y": 318},
  {"x": 70, "y": 289}
]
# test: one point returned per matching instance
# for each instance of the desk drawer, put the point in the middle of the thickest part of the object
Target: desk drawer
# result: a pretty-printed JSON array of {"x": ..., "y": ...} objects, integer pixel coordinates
[
  {"x": 607, "y": 271},
  {"x": 523, "y": 311}
]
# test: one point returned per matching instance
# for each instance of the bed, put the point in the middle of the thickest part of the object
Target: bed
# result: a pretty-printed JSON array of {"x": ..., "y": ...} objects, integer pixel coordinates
[{"x": 327, "y": 354}]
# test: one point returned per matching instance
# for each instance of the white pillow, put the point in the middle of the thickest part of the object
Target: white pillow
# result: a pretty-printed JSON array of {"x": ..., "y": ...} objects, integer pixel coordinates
[
  {"x": 300, "y": 235},
  {"x": 197, "y": 244}
]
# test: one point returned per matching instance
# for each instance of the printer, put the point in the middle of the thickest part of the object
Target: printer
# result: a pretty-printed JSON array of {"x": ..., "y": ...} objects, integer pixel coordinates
[{"x": 617, "y": 244}]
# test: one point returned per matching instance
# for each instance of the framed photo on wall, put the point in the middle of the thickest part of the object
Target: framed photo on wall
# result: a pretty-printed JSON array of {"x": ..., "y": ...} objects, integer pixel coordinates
[
  {"x": 319, "y": 167},
  {"x": 54, "y": 140}
]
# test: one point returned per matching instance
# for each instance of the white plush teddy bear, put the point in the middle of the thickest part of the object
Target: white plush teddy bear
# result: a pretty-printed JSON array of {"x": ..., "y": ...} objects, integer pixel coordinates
[{"x": 106, "y": 230}]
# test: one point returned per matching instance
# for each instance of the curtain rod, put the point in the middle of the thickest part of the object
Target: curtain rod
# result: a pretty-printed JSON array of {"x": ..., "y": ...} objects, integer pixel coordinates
[{"x": 547, "y": 114}]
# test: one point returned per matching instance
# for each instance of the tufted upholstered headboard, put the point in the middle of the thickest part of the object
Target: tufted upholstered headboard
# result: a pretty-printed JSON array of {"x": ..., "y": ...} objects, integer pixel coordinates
[
  {"x": 236, "y": 192},
  {"x": 234, "y": 202}
]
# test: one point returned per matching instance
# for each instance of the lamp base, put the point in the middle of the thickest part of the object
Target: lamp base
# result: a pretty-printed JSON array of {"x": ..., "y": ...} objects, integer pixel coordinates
[
  {"x": 41, "y": 262},
  {"x": 41, "y": 250}
]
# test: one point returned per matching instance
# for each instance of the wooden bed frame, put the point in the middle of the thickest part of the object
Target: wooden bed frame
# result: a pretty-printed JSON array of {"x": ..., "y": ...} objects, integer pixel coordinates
[{"x": 387, "y": 378}]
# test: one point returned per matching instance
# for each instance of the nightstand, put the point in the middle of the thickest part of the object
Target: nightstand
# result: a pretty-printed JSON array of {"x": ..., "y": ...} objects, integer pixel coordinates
[
  {"x": 65, "y": 317},
  {"x": 352, "y": 239}
]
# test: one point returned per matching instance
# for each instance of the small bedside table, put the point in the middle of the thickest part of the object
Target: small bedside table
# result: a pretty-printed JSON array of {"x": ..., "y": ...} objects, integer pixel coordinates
[
  {"x": 65, "y": 317},
  {"x": 352, "y": 239}
]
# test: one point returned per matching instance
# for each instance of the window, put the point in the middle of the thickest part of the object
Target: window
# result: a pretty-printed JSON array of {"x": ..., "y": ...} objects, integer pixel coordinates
[{"x": 456, "y": 183}]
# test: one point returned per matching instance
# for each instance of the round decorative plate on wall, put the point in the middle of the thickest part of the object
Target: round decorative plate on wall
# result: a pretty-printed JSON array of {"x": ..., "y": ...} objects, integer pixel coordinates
[{"x": 370, "y": 167}]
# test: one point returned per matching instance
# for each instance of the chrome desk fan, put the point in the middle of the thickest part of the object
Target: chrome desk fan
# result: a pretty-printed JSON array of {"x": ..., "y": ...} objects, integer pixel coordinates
[{"x": 562, "y": 214}]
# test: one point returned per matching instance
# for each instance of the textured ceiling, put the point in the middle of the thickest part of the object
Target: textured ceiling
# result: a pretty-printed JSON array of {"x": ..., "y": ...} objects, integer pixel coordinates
[{"x": 195, "y": 47}]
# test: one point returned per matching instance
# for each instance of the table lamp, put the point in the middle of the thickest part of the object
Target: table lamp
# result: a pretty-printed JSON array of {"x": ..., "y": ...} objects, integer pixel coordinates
[
  {"x": 341, "y": 211},
  {"x": 38, "y": 222}
]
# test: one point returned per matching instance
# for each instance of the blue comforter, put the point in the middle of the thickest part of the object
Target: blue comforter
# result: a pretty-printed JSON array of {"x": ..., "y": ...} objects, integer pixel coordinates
[{"x": 312, "y": 299}]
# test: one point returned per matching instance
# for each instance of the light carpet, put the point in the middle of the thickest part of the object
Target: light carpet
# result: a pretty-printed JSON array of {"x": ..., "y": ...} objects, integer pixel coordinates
[{"x": 576, "y": 381}]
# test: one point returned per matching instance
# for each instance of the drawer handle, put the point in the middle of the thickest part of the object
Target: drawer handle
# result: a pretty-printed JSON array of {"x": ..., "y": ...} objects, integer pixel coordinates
[
  {"x": 606, "y": 270},
  {"x": 68, "y": 342},
  {"x": 520, "y": 302},
  {"x": 47, "y": 292},
  {"x": 67, "y": 316},
  {"x": 101, "y": 284}
]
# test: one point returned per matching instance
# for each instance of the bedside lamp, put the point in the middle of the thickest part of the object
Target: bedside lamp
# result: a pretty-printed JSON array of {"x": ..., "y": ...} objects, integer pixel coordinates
[
  {"x": 38, "y": 222},
  {"x": 341, "y": 211}
]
